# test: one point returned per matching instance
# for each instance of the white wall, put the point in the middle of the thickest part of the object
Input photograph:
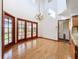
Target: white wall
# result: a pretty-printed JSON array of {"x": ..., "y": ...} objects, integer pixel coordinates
[
  {"x": 23, "y": 8},
  {"x": 61, "y": 6},
  {"x": 48, "y": 28},
  {"x": 27, "y": 9},
  {"x": 10, "y": 6}
]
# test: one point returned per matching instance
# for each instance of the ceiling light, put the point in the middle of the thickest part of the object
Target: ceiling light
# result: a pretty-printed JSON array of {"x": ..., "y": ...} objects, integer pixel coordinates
[{"x": 39, "y": 15}]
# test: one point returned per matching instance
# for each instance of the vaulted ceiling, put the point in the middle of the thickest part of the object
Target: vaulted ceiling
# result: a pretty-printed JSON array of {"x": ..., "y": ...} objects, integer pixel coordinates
[
  {"x": 72, "y": 8},
  {"x": 22, "y": 7},
  {"x": 72, "y": 5}
]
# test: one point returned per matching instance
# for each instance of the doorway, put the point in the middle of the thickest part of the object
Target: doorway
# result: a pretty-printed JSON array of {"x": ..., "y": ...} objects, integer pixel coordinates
[{"x": 63, "y": 30}]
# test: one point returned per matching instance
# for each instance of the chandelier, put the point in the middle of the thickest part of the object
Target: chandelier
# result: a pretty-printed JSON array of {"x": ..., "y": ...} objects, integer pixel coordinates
[{"x": 39, "y": 15}]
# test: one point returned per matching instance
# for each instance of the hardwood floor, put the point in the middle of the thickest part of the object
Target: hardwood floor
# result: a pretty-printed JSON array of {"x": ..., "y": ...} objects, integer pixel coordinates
[{"x": 40, "y": 49}]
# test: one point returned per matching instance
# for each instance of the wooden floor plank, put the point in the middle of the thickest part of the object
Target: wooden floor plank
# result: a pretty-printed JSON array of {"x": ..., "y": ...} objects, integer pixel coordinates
[{"x": 40, "y": 49}]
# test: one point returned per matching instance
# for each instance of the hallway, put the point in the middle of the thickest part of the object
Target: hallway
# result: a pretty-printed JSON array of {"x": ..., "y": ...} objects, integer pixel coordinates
[{"x": 40, "y": 49}]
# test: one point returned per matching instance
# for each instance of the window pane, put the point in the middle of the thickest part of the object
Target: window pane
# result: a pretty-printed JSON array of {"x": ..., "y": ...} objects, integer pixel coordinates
[
  {"x": 6, "y": 36},
  {"x": 19, "y": 30},
  {"x": 10, "y": 24},
  {"x": 23, "y": 22},
  {"x": 23, "y": 26},
  {"x": 10, "y": 39},
  {"x": 23, "y": 30},
  {"x": 22, "y": 33},
  {"x": 5, "y": 41},
  {"x": 28, "y": 30},
  {"x": 19, "y": 22},
  {"x": 5, "y": 30},
  {"x": 19, "y": 25},
  {"x": 19, "y": 38},
  {"x": 10, "y": 20},
  {"x": 10, "y": 34},
  {"x": 28, "y": 35},
  {"x": 34, "y": 29},
  {"x": 6, "y": 20},
  {"x": 22, "y": 36},
  {"x": 6, "y": 23},
  {"x": 10, "y": 30},
  {"x": 28, "y": 24}
]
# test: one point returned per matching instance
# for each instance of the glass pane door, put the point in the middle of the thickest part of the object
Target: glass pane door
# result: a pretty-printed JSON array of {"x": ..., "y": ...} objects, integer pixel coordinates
[
  {"x": 21, "y": 29},
  {"x": 34, "y": 29},
  {"x": 6, "y": 24},
  {"x": 7, "y": 30},
  {"x": 10, "y": 30},
  {"x": 28, "y": 29}
]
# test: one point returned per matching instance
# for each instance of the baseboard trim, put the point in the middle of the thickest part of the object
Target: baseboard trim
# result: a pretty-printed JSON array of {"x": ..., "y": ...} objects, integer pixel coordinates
[
  {"x": 47, "y": 38},
  {"x": 63, "y": 39}
]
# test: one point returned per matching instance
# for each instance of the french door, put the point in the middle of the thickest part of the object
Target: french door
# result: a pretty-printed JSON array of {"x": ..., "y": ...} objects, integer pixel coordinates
[
  {"x": 8, "y": 29},
  {"x": 28, "y": 30},
  {"x": 21, "y": 29},
  {"x": 63, "y": 29},
  {"x": 34, "y": 30}
]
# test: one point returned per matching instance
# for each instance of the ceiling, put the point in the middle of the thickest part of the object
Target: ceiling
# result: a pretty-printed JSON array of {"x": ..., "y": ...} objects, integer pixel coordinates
[
  {"x": 72, "y": 8},
  {"x": 13, "y": 6},
  {"x": 72, "y": 5}
]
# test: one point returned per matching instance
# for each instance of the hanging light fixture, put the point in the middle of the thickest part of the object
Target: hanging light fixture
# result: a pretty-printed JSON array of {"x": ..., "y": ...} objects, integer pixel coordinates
[{"x": 39, "y": 15}]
